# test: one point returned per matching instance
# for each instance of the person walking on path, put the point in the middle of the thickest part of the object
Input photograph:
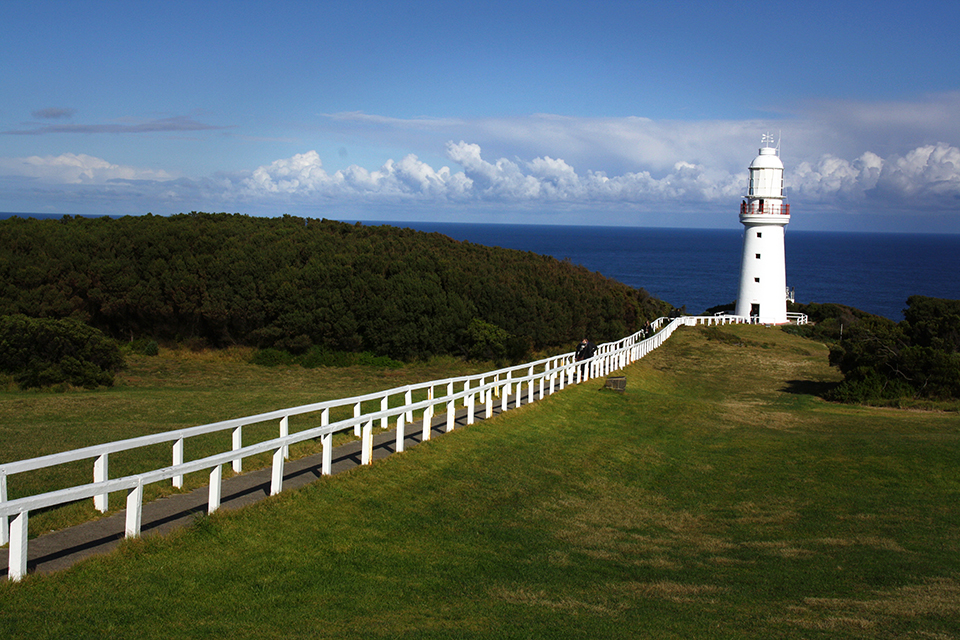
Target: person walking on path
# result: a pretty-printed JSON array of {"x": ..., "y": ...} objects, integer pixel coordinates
[{"x": 585, "y": 351}]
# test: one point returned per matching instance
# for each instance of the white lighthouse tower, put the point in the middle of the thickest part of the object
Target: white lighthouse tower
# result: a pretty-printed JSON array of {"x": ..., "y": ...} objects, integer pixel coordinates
[{"x": 764, "y": 214}]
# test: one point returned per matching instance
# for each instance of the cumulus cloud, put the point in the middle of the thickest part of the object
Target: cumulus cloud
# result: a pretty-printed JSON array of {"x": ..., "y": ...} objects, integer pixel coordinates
[
  {"x": 70, "y": 168},
  {"x": 927, "y": 176},
  {"x": 303, "y": 175},
  {"x": 924, "y": 178},
  {"x": 546, "y": 162},
  {"x": 542, "y": 179},
  {"x": 831, "y": 178},
  {"x": 927, "y": 170}
]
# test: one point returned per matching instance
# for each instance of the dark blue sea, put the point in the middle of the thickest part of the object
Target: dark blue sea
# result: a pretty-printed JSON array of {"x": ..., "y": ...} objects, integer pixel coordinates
[{"x": 700, "y": 268}]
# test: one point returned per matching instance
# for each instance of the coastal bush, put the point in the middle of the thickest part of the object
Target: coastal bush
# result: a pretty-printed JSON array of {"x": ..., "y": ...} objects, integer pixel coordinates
[
  {"x": 42, "y": 352},
  {"x": 270, "y": 357},
  {"x": 884, "y": 362},
  {"x": 292, "y": 284},
  {"x": 486, "y": 341}
]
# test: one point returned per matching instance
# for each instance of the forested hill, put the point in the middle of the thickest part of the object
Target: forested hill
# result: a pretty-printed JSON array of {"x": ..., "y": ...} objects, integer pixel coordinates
[{"x": 293, "y": 283}]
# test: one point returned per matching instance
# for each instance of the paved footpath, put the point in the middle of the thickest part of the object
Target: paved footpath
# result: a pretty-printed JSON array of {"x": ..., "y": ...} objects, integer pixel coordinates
[{"x": 58, "y": 550}]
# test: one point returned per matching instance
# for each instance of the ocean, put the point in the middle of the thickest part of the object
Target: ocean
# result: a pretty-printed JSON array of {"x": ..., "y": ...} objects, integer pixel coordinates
[{"x": 700, "y": 268}]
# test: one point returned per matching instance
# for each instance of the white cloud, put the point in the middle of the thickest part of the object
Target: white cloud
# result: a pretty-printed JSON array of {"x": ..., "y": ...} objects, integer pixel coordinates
[
  {"x": 633, "y": 164},
  {"x": 925, "y": 176},
  {"x": 832, "y": 178},
  {"x": 304, "y": 175},
  {"x": 931, "y": 172},
  {"x": 70, "y": 168}
]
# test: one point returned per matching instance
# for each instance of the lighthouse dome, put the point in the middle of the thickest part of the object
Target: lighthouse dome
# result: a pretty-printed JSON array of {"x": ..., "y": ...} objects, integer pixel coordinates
[{"x": 768, "y": 159}]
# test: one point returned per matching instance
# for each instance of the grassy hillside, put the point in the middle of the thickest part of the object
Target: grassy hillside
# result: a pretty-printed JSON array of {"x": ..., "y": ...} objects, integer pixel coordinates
[{"x": 716, "y": 498}]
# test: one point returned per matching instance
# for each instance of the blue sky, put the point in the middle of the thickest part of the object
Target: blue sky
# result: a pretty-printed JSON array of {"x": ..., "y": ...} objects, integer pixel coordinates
[{"x": 622, "y": 113}]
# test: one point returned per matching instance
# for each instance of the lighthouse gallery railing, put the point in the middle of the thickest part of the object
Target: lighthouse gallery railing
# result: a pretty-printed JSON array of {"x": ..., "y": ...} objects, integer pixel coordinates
[{"x": 547, "y": 376}]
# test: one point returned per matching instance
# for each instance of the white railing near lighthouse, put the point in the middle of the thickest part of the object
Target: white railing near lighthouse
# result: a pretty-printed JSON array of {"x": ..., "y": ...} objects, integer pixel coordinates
[{"x": 476, "y": 393}]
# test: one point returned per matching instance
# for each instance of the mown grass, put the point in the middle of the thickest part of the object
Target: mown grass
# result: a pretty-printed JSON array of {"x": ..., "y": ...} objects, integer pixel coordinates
[
  {"x": 173, "y": 390},
  {"x": 714, "y": 499}
]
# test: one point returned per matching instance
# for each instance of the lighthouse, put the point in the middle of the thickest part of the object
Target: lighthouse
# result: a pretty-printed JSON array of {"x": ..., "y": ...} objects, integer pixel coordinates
[{"x": 764, "y": 214}]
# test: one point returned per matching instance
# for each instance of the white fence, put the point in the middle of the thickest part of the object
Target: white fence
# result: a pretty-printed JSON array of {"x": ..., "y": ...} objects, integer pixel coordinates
[{"x": 476, "y": 393}]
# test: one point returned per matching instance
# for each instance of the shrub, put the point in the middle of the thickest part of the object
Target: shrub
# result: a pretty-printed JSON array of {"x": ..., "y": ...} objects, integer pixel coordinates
[
  {"x": 270, "y": 357},
  {"x": 41, "y": 352}
]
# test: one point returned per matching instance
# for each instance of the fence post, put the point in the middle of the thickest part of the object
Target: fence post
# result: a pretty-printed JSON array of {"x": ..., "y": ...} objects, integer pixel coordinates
[
  {"x": 134, "y": 511},
  {"x": 427, "y": 422},
  {"x": 451, "y": 414},
  {"x": 101, "y": 471},
  {"x": 401, "y": 431},
  {"x": 356, "y": 414},
  {"x": 238, "y": 444},
  {"x": 366, "y": 456},
  {"x": 384, "y": 405},
  {"x": 276, "y": 477},
  {"x": 178, "y": 459},
  {"x": 326, "y": 441},
  {"x": 284, "y": 432},
  {"x": 488, "y": 402},
  {"x": 18, "y": 547},
  {"x": 4, "y": 529},
  {"x": 408, "y": 400},
  {"x": 216, "y": 487}
]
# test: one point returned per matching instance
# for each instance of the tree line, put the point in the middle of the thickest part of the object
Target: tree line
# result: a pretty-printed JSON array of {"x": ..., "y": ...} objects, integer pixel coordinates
[{"x": 296, "y": 284}]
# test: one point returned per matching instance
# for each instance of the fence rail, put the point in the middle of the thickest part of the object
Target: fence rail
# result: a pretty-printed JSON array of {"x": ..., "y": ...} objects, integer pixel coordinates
[{"x": 477, "y": 392}]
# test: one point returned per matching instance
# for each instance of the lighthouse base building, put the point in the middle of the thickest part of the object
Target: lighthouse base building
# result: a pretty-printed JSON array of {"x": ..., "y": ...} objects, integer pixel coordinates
[{"x": 763, "y": 274}]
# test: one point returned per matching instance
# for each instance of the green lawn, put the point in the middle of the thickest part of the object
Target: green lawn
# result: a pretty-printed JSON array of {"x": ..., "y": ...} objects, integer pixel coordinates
[
  {"x": 716, "y": 498},
  {"x": 174, "y": 390}
]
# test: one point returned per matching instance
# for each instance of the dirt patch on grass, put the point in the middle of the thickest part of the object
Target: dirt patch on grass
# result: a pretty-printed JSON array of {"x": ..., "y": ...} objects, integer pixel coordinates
[
  {"x": 609, "y": 521},
  {"x": 750, "y": 513},
  {"x": 665, "y": 590},
  {"x": 752, "y": 413},
  {"x": 610, "y": 599},
  {"x": 539, "y": 598},
  {"x": 934, "y": 598}
]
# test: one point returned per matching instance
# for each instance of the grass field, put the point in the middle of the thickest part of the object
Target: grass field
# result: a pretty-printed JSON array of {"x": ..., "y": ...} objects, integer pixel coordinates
[
  {"x": 719, "y": 497},
  {"x": 174, "y": 390}
]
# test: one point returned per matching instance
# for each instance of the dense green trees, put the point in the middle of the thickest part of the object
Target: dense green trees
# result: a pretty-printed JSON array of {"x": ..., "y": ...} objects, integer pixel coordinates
[
  {"x": 292, "y": 283},
  {"x": 917, "y": 358},
  {"x": 45, "y": 352}
]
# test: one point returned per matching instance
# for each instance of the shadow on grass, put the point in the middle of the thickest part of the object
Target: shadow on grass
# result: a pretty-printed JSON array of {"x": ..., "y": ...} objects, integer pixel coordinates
[{"x": 817, "y": 388}]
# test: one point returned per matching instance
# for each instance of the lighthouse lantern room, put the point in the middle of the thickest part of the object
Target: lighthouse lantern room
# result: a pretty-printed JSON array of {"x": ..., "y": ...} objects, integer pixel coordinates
[{"x": 764, "y": 214}]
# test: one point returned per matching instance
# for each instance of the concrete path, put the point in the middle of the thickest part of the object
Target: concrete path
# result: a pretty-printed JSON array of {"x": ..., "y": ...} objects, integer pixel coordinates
[{"x": 60, "y": 549}]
